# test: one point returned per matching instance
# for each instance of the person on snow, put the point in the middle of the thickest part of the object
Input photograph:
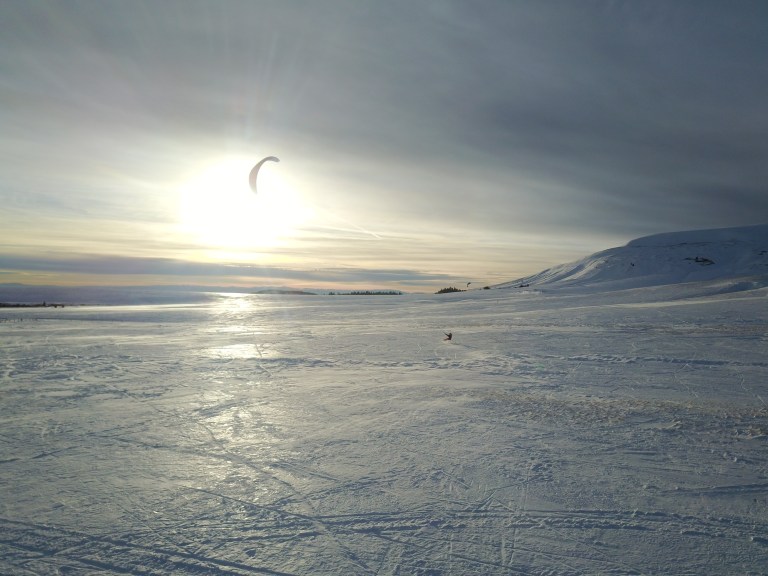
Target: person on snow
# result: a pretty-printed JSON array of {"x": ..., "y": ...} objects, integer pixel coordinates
[{"x": 448, "y": 335}]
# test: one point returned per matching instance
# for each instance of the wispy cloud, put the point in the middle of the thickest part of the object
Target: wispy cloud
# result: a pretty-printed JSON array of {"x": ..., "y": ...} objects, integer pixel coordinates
[{"x": 111, "y": 269}]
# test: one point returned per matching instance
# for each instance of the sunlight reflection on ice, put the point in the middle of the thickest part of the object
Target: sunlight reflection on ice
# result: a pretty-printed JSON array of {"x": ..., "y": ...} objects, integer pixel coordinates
[
  {"x": 241, "y": 323},
  {"x": 235, "y": 351},
  {"x": 232, "y": 303}
]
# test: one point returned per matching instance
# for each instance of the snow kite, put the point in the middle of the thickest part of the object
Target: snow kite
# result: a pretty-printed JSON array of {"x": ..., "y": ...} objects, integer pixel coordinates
[{"x": 255, "y": 171}]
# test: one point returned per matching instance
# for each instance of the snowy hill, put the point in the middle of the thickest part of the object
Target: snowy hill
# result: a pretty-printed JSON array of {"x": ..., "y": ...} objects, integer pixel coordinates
[{"x": 737, "y": 257}]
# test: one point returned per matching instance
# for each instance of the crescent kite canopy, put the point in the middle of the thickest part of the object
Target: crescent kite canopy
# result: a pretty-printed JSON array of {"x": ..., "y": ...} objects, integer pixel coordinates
[{"x": 255, "y": 171}]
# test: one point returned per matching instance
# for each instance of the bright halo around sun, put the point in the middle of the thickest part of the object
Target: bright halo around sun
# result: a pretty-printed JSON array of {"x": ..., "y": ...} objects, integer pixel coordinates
[{"x": 220, "y": 212}]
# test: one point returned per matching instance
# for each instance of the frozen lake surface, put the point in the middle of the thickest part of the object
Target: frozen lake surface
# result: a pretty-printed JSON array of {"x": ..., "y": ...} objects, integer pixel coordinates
[{"x": 556, "y": 434}]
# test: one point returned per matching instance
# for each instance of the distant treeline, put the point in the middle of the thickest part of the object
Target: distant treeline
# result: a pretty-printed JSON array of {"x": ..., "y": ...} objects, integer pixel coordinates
[
  {"x": 35, "y": 305},
  {"x": 454, "y": 289},
  {"x": 367, "y": 293},
  {"x": 449, "y": 290}
]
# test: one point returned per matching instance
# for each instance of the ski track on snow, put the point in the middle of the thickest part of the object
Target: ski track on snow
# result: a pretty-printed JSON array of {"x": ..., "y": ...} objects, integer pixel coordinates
[{"x": 279, "y": 436}]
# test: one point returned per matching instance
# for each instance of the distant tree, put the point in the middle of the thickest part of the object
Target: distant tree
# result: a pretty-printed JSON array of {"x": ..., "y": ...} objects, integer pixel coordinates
[{"x": 449, "y": 290}]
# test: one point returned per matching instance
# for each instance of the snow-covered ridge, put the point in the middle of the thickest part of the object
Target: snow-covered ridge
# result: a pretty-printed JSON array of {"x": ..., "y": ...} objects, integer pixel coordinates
[{"x": 736, "y": 255}]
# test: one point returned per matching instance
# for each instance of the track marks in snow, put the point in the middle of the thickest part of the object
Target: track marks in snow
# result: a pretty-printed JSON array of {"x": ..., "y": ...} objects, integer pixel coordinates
[
  {"x": 550, "y": 443},
  {"x": 40, "y": 548}
]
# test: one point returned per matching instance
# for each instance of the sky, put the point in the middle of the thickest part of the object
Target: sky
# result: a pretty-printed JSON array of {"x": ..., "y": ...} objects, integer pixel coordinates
[{"x": 422, "y": 144}]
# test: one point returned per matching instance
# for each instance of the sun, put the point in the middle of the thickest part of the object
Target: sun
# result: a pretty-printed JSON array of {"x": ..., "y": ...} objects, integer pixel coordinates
[{"x": 219, "y": 211}]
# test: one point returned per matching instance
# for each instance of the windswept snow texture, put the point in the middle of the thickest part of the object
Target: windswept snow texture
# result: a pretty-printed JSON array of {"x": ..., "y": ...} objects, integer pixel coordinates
[
  {"x": 613, "y": 433},
  {"x": 738, "y": 257}
]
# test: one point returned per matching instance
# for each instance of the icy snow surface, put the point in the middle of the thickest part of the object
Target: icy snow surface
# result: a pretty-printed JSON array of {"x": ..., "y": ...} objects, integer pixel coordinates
[{"x": 595, "y": 433}]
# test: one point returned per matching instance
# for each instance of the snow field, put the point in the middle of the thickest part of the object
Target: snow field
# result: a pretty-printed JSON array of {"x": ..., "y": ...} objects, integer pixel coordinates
[{"x": 616, "y": 433}]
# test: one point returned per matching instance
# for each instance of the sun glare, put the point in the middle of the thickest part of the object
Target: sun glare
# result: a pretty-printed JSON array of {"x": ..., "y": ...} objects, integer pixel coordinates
[{"x": 218, "y": 210}]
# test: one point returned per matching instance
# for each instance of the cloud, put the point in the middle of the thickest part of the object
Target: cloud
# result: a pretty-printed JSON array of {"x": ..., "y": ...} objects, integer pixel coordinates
[
  {"x": 116, "y": 266},
  {"x": 450, "y": 129}
]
